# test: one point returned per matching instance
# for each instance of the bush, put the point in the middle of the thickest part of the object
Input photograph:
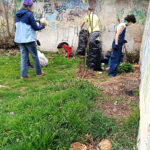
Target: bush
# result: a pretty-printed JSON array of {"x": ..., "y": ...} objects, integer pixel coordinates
[
  {"x": 125, "y": 67},
  {"x": 133, "y": 57}
]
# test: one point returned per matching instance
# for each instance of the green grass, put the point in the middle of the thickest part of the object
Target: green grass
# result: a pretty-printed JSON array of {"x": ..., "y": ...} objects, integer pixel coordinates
[
  {"x": 53, "y": 111},
  {"x": 125, "y": 135}
]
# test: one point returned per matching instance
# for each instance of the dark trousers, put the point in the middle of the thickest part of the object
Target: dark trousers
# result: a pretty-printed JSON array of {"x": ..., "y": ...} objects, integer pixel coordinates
[
  {"x": 25, "y": 48},
  {"x": 115, "y": 60}
]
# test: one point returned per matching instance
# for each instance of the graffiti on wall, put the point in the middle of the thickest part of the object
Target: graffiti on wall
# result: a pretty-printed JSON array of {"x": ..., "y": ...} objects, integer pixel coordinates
[
  {"x": 140, "y": 16},
  {"x": 139, "y": 9},
  {"x": 63, "y": 11}
]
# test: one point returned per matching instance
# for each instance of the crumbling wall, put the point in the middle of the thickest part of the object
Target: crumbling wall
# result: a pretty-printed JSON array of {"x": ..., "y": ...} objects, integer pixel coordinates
[
  {"x": 115, "y": 10},
  {"x": 144, "y": 131},
  {"x": 66, "y": 16}
]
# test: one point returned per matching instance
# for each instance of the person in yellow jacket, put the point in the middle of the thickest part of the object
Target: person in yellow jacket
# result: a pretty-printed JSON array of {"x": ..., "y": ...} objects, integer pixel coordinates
[{"x": 93, "y": 24}]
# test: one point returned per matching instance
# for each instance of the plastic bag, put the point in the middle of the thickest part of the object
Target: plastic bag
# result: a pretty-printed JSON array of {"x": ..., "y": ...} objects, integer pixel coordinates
[
  {"x": 43, "y": 60},
  {"x": 106, "y": 57},
  {"x": 83, "y": 38},
  {"x": 94, "y": 56}
]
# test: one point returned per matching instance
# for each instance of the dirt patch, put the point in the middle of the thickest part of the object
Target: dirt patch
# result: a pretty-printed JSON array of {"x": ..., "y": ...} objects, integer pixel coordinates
[
  {"x": 9, "y": 52},
  {"x": 120, "y": 93},
  {"x": 84, "y": 73},
  {"x": 4, "y": 86},
  {"x": 112, "y": 109},
  {"x": 120, "y": 85}
]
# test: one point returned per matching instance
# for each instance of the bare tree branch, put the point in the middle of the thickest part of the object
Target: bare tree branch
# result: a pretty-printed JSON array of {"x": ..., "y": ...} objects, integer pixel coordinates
[{"x": 5, "y": 5}]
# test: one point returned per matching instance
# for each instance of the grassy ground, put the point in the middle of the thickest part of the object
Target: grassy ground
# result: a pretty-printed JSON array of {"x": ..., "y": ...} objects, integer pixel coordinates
[{"x": 53, "y": 111}]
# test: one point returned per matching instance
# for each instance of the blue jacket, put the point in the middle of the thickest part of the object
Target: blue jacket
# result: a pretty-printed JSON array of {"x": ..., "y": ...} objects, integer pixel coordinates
[{"x": 26, "y": 27}]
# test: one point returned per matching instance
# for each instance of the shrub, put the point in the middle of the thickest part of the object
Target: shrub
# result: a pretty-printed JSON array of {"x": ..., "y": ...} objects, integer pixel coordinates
[
  {"x": 133, "y": 57},
  {"x": 125, "y": 67}
]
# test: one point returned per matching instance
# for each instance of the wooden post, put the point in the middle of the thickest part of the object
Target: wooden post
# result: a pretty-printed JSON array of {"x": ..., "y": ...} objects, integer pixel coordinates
[
  {"x": 88, "y": 41},
  {"x": 86, "y": 50}
]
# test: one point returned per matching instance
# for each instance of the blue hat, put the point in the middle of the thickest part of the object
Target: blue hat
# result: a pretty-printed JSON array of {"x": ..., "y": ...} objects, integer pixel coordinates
[{"x": 28, "y": 2}]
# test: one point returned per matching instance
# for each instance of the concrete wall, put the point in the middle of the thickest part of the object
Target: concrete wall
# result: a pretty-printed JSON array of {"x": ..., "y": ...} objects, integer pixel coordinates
[
  {"x": 114, "y": 9},
  {"x": 66, "y": 16},
  {"x": 144, "y": 131}
]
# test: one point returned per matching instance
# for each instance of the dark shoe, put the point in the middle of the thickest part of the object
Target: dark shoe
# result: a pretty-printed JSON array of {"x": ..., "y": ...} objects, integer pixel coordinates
[
  {"x": 39, "y": 75},
  {"x": 22, "y": 77}
]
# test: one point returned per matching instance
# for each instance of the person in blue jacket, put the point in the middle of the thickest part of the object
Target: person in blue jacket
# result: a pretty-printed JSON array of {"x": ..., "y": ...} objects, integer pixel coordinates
[
  {"x": 25, "y": 35},
  {"x": 118, "y": 43}
]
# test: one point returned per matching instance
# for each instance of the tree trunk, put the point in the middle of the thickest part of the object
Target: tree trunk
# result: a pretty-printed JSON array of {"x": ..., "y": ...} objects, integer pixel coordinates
[{"x": 6, "y": 17}]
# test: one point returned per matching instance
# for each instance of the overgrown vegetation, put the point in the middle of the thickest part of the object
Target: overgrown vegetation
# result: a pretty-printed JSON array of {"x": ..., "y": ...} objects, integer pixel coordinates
[
  {"x": 133, "y": 57},
  {"x": 53, "y": 111},
  {"x": 125, "y": 67}
]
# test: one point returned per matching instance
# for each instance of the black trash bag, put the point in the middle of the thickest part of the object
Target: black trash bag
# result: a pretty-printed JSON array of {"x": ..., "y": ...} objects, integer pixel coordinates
[
  {"x": 105, "y": 58},
  {"x": 108, "y": 55},
  {"x": 94, "y": 56},
  {"x": 60, "y": 44},
  {"x": 83, "y": 39}
]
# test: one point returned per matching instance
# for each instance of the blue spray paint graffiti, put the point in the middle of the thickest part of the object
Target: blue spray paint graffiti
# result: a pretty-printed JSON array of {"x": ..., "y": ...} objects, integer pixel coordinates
[{"x": 58, "y": 11}]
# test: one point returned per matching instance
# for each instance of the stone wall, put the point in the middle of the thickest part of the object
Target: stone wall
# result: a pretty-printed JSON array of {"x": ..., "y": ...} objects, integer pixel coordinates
[{"x": 144, "y": 131}]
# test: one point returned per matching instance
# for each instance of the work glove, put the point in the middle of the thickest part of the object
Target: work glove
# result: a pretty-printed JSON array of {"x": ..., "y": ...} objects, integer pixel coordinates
[
  {"x": 43, "y": 25},
  {"x": 38, "y": 42},
  {"x": 125, "y": 41},
  {"x": 116, "y": 47}
]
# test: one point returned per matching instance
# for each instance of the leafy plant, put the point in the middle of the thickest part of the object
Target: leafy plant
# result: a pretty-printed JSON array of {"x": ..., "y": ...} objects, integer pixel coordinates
[{"x": 125, "y": 67}]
